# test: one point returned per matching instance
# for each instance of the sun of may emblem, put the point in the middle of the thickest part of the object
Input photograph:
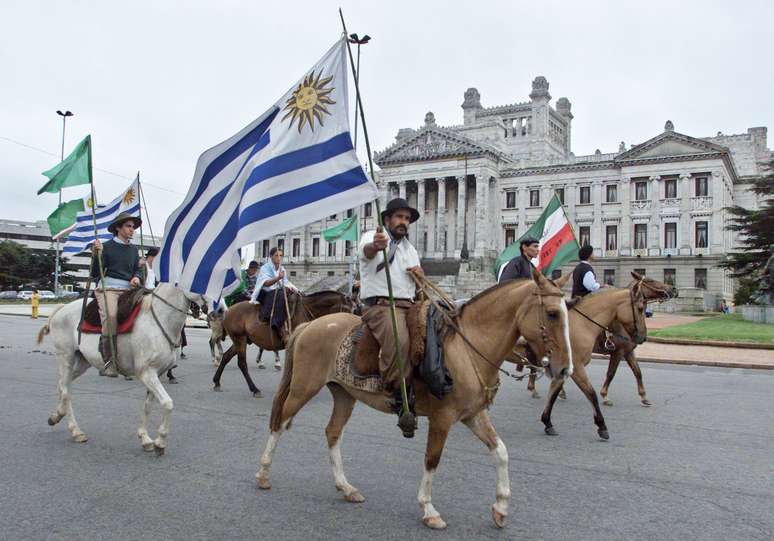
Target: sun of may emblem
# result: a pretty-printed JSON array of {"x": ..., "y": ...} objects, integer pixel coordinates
[
  {"x": 129, "y": 196},
  {"x": 309, "y": 101}
]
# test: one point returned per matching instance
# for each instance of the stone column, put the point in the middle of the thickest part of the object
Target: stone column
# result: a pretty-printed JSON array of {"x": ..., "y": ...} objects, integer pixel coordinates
[
  {"x": 626, "y": 216},
  {"x": 440, "y": 228},
  {"x": 570, "y": 197},
  {"x": 716, "y": 190},
  {"x": 654, "y": 194},
  {"x": 522, "y": 193},
  {"x": 384, "y": 195},
  {"x": 482, "y": 189},
  {"x": 402, "y": 189},
  {"x": 462, "y": 191},
  {"x": 684, "y": 193},
  {"x": 598, "y": 227},
  {"x": 421, "y": 226}
]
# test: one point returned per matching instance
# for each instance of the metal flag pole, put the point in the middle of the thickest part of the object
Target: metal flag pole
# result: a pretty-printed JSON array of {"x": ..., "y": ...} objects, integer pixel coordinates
[
  {"x": 398, "y": 356},
  {"x": 142, "y": 239},
  {"x": 56, "y": 261}
]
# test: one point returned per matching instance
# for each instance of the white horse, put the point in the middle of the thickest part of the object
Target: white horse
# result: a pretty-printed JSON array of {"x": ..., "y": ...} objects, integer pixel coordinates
[
  {"x": 147, "y": 351},
  {"x": 217, "y": 332}
]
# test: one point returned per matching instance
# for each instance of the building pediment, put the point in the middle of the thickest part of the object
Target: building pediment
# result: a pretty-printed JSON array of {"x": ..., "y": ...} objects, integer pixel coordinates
[
  {"x": 433, "y": 143},
  {"x": 669, "y": 144}
]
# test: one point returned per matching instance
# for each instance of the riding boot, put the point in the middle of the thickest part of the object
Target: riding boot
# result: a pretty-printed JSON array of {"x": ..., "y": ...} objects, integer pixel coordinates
[
  {"x": 106, "y": 351},
  {"x": 407, "y": 420}
]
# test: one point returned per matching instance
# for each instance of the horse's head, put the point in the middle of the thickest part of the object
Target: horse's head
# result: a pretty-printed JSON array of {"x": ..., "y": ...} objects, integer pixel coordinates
[
  {"x": 631, "y": 314},
  {"x": 653, "y": 290},
  {"x": 197, "y": 302},
  {"x": 323, "y": 303},
  {"x": 544, "y": 324}
]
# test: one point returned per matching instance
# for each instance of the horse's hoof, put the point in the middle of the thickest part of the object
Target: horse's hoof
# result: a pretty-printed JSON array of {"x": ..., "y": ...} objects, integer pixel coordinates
[
  {"x": 498, "y": 517},
  {"x": 562, "y": 395},
  {"x": 435, "y": 523},
  {"x": 159, "y": 450},
  {"x": 128, "y": 378},
  {"x": 646, "y": 403},
  {"x": 354, "y": 497},
  {"x": 217, "y": 389},
  {"x": 148, "y": 447},
  {"x": 173, "y": 381},
  {"x": 551, "y": 431},
  {"x": 261, "y": 366},
  {"x": 607, "y": 402},
  {"x": 535, "y": 394},
  {"x": 603, "y": 433},
  {"x": 53, "y": 419},
  {"x": 257, "y": 394},
  {"x": 263, "y": 482},
  {"x": 80, "y": 438}
]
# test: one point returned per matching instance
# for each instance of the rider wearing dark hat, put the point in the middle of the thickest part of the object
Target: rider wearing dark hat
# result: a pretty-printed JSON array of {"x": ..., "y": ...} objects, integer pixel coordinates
[
  {"x": 121, "y": 265},
  {"x": 402, "y": 259},
  {"x": 521, "y": 266}
]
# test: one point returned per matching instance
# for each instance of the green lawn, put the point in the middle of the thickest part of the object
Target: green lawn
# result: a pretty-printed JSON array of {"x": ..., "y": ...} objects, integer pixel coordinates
[{"x": 729, "y": 327}]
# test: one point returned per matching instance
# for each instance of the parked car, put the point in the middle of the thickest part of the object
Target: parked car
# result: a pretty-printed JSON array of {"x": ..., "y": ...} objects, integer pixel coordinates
[
  {"x": 46, "y": 294},
  {"x": 69, "y": 295},
  {"x": 25, "y": 295},
  {"x": 8, "y": 295}
]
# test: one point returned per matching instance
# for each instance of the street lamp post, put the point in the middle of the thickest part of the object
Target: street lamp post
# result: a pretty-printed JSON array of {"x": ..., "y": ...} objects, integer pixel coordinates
[
  {"x": 56, "y": 263},
  {"x": 464, "y": 254}
]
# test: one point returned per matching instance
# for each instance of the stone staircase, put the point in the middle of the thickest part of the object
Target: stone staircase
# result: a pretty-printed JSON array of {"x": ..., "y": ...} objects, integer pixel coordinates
[{"x": 471, "y": 279}]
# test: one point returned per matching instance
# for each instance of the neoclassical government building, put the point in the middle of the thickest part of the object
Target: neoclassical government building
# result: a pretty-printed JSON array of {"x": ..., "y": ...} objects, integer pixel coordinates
[{"x": 656, "y": 207}]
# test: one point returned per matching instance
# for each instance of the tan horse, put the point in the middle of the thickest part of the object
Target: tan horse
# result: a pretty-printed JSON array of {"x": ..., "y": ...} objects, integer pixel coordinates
[
  {"x": 491, "y": 321},
  {"x": 242, "y": 324}
]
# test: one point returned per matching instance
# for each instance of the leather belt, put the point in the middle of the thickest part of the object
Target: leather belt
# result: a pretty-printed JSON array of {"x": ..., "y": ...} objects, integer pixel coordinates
[{"x": 384, "y": 301}]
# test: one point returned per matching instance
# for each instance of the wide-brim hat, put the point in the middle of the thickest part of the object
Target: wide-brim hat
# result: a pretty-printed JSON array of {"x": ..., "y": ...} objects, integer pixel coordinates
[
  {"x": 120, "y": 219},
  {"x": 397, "y": 204}
]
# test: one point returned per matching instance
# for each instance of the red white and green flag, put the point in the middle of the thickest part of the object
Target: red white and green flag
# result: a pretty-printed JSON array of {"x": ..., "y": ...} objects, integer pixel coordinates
[{"x": 553, "y": 231}]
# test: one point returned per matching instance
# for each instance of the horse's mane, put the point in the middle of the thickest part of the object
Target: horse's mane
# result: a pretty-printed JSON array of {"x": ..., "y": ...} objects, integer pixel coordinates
[
  {"x": 496, "y": 287},
  {"x": 323, "y": 292}
]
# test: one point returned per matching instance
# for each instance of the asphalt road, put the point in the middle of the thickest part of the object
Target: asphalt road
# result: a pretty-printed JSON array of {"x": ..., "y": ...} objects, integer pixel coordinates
[{"x": 696, "y": 465}]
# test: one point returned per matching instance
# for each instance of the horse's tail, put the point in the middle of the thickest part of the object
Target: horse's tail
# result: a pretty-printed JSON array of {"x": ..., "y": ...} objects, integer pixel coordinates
[
  {"x": 46, "y": 329},
  {"x": 283, "y": 391}
]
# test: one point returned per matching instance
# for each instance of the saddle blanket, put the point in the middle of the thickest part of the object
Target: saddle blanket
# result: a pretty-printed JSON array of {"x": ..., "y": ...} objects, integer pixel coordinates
[
  {"x": 124, "y": 326},
  {"x": 345, "y": 357},
  {"x": 129, "y": 304}
]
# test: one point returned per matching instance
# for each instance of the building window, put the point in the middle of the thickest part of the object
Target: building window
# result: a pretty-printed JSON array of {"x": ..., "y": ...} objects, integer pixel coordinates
[
  {"x": 296, "y": 247},
  {"x": 556, "y": 274},
  {"x": 331, "y": 249},
  {"x": 316, "y": 247},
  {"x": 332, "y": 217},
  {"x": 641, "y": 272},
  {"x": 702, "y": 187},
  {"x": 669, "y": 276},
  {"x": 281, "y": 245},
  {"x": 560, "y": 194},
  {"x": 348, "y": 247},
  {"x": 265, "y": 248},
  {"x": 330, "y": 273},
  {"x": 701, "y": 235},
  {"x": 424, "y": 240},
  {"x": 293, "y": 274},
  {"x": 612, "y": 193},
  {"x": 670, "y": 235},
  {"x": 584, "y": 235},
  {"x": 367, "y": 210},
  {"x": 510, "y": 236},
  {"x": 640, "y": 236},
  {"x": 700, "y": 278},
  {"x": 670, "y": 188},
  {"x": 585, "y": 195},
  {"x": 510, "y": 200},
  {"x": 609, "y": 277},
  {"x": 534, "y": 198},
  {"x": 611, "y": 237},
  {"x": 641, "y": 191},
  {"x": 350, "y": 212}
]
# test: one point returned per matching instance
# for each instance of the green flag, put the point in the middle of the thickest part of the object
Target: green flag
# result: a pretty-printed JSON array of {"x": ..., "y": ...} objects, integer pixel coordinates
[
  {"x": 74, "y": 170},
  {"x": 346, "y": 230},
  {"x": 555, "y": 236},
  {"x": 64, "y": 216}
]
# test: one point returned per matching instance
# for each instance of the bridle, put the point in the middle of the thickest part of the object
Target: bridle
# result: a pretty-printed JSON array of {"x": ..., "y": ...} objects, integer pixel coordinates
[
  {"x": 344, "y": 307},
  {"x": 173, "y": 344}
]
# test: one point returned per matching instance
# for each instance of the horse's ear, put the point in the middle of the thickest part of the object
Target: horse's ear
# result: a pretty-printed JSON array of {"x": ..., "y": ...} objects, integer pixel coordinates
[
  {"x": 572, "y": 302},
  {"x": 538, "y": 277},
  {"x": 637, "y": 276},
  {"x": 562, "y": 280}
]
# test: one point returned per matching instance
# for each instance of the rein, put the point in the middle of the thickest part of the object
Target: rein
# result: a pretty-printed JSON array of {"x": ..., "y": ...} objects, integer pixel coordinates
[
  {"x": 609, "y": 345},
  {"x": 154, "y": 295}
]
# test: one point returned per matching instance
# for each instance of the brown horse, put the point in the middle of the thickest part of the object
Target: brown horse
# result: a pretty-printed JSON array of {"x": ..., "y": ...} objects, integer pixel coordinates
[
  {"x": 589, "y": 317},
  {"x": 491, "y": 321},
  {"x": 242, "y": 324}
]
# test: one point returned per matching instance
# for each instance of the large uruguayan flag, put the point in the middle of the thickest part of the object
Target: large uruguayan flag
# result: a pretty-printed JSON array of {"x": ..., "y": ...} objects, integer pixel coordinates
[
  {"x": 82, "y": 235},
  {"x": 291, "y": 166}
]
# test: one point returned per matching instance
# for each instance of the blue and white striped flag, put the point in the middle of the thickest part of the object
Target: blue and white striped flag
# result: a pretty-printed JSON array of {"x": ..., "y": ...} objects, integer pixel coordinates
[
  {"x": 293, "y": 165},
  {"x": 82, "y": 235}
]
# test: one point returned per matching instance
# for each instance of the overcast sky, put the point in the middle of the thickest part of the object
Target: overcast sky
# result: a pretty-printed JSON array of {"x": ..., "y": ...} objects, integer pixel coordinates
[{"x": 157, "y": 83}]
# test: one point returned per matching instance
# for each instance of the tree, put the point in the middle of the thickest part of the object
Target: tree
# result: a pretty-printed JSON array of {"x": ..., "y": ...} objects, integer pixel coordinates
[
  {"x": 756, "y": 238},
  {"x": 23, "y": 267}
]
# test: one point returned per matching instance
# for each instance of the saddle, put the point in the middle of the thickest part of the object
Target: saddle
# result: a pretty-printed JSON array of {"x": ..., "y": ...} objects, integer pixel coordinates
[{"x": 129, "y": 304}]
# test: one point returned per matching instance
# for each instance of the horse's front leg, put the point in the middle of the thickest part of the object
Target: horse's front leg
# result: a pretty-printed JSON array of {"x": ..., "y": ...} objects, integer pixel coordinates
[
  {"x": 631, "y": 360},
  {"x": 69, "y": 369},
  {"x": 581, "y": 379},
  {"x": 553, "y": 392},
  {"x": 151, "y": 380},
  {"x": 142, "y": 431},
  {"x": 481, "y": 426},
  {"x": 436, "y": 439}
]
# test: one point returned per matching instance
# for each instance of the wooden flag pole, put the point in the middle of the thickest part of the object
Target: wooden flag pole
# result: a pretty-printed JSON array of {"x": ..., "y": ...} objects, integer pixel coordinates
[
  {"x": 398, "y": 355},
  {"x": 142, "y": 239}
]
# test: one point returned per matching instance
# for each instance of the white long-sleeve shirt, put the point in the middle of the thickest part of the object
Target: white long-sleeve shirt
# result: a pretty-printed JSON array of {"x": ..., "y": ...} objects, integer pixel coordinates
[
  {"x": 589, "y": 282},
  {"x": 269, "y": 272}
]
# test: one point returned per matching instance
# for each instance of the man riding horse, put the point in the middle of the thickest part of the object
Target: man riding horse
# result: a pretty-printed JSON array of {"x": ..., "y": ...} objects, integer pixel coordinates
[
  {"x": 584, "y": 280},
  {"x": 121, "y": 265},
  {"x": 402, "y": 259},
  {"x": 246, "y": 285},
  {"x": 521, "y": 266},
  {"x": 270, "y": 292}
]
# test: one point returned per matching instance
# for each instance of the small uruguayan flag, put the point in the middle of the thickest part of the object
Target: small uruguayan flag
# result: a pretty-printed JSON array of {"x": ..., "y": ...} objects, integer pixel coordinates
[
  {"x": 293, "y": 165},
  {"x": 82, "y": 234}
]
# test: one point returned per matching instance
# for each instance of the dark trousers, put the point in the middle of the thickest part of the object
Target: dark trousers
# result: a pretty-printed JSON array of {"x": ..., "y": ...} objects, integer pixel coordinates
[{"x": 273, "y": 298}]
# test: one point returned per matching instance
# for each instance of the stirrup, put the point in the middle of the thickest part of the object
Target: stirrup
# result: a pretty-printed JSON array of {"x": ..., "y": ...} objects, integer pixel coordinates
[
  {"x": 109, "y": 369},
  {"x": 407, "y": 422}
]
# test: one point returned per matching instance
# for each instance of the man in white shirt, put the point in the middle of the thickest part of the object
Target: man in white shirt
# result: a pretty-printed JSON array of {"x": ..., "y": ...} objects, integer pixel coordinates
[
  {"x": 584, "y": 281},
  {"x": 150, "y": 276},
  {"x": 402, "y": 259}
]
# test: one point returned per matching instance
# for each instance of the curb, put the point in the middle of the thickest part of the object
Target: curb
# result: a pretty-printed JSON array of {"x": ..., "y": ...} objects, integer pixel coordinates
[
  {"x": 203, "y": 325},
  {"x": 687, "y": 362},
  {"x": 711, "y": 343}
]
